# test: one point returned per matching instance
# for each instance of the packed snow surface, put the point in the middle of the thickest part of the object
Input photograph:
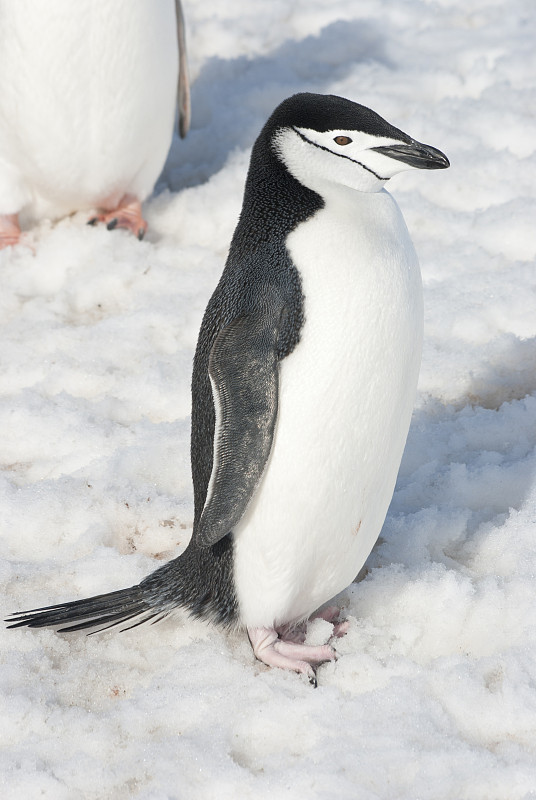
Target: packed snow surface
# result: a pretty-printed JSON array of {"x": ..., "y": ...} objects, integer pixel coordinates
[{"x": 434, "y": 693}]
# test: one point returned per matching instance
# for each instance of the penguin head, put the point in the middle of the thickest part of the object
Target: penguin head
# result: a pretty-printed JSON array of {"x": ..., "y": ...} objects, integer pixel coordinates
[{"x": 325, "y": 139}]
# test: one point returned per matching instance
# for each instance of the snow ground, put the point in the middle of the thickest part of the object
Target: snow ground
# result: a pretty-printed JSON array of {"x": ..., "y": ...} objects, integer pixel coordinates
[{"x": 434, "y": 695}]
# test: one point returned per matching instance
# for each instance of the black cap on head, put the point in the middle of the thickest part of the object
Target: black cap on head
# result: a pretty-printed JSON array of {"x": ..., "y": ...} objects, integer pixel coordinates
[{"x": 327, "y": 112}]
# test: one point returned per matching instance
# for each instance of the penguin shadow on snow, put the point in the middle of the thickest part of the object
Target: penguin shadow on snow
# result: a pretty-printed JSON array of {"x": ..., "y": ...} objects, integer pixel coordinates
[
  {"x": 232, "y": 98},
  {"x": 466, "y": 466},
  {"x": 508, "y": 372}
]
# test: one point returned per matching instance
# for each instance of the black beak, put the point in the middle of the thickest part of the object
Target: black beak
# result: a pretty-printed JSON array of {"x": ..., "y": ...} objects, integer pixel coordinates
[{"x": 415, "y": 154}]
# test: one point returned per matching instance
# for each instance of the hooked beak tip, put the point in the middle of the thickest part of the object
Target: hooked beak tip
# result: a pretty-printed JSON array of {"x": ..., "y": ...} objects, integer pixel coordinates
[{"x": 415, "y": 154}]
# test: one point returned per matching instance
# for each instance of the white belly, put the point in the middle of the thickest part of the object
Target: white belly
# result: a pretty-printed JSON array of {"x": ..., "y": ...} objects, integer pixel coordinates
[
  {"x": 87, "y": 103},
  {"x": 346, "y": 396}
]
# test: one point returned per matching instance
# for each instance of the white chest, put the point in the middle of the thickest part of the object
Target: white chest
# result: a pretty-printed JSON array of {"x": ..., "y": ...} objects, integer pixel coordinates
[
  {"x": 346, "y": 395},
  {"x": 88, "y": 104}
]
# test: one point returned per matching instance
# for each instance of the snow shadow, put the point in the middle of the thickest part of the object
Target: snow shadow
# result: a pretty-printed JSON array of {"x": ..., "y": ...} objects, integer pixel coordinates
[
  {"x": 231, "y": 99},
  {"x": 464, "y": 471},
  {"x": 468, "y": 463},
  {"x": 508, "y": 373}
]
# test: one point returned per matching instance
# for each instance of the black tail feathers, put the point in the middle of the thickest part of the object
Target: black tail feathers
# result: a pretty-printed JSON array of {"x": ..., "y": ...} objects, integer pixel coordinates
[
  {"x": 200, "y": 581},
  {"x": 100, "y": 612}
]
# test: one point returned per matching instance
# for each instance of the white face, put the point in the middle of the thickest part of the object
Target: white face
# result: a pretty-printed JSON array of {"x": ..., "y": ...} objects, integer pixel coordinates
[{"x": 337, "y": 157}]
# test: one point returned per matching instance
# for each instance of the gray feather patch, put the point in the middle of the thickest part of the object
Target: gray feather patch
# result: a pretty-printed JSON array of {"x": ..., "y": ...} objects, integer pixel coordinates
[{"x": 243, "y": 366}]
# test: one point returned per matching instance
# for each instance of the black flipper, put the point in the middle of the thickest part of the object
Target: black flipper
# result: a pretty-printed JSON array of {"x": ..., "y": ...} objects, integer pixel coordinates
[
  {"x": 243, "y": 368},
  {"x": 183, "y": 88}
]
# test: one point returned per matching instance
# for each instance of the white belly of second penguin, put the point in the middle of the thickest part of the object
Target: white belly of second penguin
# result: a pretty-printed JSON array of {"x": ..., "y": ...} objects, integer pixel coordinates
[
  {"x": 87, "y": 104},
  {"x": 345, "y": 403}
]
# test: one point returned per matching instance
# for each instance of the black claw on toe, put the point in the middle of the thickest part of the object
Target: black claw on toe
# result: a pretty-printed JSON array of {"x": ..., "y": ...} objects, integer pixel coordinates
[
  {"x": 112, "y": 224},
  {"x": 141, "y": 234},
  {"x": 92, "y": 221},
  {"x": 313, "y": 681}
]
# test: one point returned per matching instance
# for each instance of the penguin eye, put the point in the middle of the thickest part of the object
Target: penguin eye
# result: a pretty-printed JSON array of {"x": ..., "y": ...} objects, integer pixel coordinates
[{"x": 342, "y": 140}]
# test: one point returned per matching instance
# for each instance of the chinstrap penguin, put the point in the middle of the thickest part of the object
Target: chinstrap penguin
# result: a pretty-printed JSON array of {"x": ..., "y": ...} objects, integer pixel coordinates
[
  {"x": 303, "y": 385},
  {"x": 87, "y": 107}
]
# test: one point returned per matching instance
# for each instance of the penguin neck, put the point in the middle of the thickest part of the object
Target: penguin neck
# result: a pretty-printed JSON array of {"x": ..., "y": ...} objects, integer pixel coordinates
[{"x": 275, "y": 202}]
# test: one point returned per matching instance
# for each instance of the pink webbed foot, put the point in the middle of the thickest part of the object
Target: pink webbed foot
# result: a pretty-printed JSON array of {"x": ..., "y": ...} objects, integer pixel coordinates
[
  {"x": 288, "y": 654},
  {"x": 126, "y": 215},
  {"x": 9, "y": 230}
]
